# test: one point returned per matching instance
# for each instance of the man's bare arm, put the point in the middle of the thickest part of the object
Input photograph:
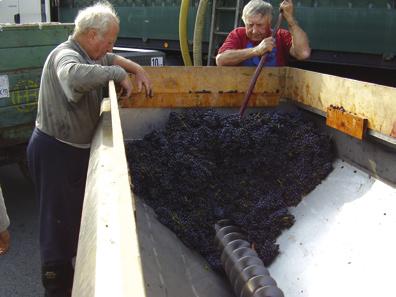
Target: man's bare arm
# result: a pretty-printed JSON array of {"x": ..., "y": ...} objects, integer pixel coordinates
[
  {"x": 300, "y": 45},
  {"x": 235, "y": 57}
]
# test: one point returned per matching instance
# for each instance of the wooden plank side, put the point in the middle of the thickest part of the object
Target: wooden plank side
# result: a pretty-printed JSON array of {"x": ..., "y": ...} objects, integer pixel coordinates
[
  {"x": 374, "y": 102},
  {"x": 24, "y": 57},
  {"x": 23, "y": 79},
  {"x": 208, "y": 87},
  {"x": 188, "y": 100},
  {"x": 346, "y": 122},
  {"x": 23, "y": 87},
  {"x": 28, "y": 35},
  {"x": 20, "y": 98},
  {"x": 18, "y": 114},
  {"x": 15, "y": 135}
]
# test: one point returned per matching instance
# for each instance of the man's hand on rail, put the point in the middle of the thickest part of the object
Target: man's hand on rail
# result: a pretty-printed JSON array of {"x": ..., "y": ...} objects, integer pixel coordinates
[
  {"x": 143, "y": 80},
  {"x": 126, "y": 88}
]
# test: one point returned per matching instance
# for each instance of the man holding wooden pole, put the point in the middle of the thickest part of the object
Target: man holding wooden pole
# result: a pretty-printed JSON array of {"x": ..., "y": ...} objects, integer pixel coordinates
[{"x": 244, "y": 46}]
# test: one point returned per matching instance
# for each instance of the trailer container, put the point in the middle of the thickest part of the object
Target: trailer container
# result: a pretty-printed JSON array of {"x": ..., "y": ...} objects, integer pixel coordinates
[{"x": 341, "y": 243}]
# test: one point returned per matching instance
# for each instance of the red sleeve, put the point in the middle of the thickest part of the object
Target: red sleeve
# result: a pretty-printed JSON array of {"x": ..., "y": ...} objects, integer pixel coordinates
[
  {"x": 286, "y": 39},
  {"x": 234, "y": 40},
  {"x": 283, "y": 43}
]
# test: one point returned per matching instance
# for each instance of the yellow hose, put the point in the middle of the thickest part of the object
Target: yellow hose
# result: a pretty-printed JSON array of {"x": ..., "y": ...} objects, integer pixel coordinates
[
  {"x": 198, "y": 32},
  {"x": 183, "y": 39}
]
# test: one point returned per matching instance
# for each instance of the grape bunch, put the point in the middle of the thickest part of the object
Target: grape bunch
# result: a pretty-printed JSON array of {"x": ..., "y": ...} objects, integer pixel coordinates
[{"x": 205, "y": 166}]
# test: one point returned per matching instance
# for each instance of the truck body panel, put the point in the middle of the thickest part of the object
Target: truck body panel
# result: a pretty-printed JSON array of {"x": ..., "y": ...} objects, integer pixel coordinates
[
  {"x": 23, "y": 51},
  {"x": 340, "y": 32}
]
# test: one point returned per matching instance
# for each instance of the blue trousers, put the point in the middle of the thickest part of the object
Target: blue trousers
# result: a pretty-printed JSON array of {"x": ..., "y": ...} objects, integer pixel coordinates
[{"x": 59, "y": 173}]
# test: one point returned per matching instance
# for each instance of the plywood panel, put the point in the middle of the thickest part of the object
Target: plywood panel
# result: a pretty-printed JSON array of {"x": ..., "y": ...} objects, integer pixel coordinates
[
  {"x": 346, "y": 122},
  {"x": 374, "y": 102},
  {"x": 226, "y": 87},
  {"x": 208, "y": 87}
]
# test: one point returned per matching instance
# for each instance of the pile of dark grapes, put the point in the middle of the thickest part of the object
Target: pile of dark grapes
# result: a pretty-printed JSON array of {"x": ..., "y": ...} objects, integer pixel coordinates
[{"x": 206, "y": 166}]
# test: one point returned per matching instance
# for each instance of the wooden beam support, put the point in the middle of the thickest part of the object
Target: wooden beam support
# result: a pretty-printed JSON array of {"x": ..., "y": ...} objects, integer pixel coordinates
[
  {"x": 108, "y": 258},
  {"x": 344, "y": 121}
]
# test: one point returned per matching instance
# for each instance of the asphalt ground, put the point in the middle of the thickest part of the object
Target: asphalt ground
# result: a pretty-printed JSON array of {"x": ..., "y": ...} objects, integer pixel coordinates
[{"x": 20, "y": 267}]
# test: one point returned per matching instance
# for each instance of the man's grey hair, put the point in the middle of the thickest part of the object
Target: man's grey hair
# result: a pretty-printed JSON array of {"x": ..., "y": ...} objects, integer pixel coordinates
[
  {"x": 99, "y": 17},
  {"x": 255, "y": 7}
]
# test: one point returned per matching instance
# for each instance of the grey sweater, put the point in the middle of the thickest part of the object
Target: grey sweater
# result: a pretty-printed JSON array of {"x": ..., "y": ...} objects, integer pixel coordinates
[{"x": 71, "y": 92}]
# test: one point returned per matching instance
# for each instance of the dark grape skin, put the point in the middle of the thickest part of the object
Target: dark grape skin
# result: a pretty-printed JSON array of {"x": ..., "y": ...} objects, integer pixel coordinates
[{"x": 206, "y": 166}]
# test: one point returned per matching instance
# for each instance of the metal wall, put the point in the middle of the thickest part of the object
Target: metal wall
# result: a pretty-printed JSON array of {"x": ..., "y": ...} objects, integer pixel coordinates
[
  {"x": 152, "y": 24},
  {"x": 333, "y": 26}
]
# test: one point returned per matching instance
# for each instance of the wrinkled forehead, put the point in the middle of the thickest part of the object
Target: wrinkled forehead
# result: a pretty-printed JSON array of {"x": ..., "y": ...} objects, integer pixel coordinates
[
  {"x": 111, "y": 32},
  {"x": 257, "y": 19}
]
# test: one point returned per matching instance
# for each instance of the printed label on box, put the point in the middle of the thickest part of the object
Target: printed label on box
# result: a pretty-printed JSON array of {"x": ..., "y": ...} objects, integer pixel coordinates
[
  {"x": 4, "y": 86},
  {"x": 157, "y": 61}
]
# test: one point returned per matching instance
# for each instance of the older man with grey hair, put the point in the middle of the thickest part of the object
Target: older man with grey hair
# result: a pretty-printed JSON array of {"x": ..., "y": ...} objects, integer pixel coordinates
[
  {"x": 68, "y": 112},
  {"x": 245, "y": 45}
]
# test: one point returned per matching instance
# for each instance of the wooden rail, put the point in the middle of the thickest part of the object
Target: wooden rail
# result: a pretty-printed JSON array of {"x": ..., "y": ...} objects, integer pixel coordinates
[
  {"x": 226, "y": 87},
  {"x": 369, "y": 101},
  {"x": 208, "y": 87},
  {"x": 108, "y": 258}
]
